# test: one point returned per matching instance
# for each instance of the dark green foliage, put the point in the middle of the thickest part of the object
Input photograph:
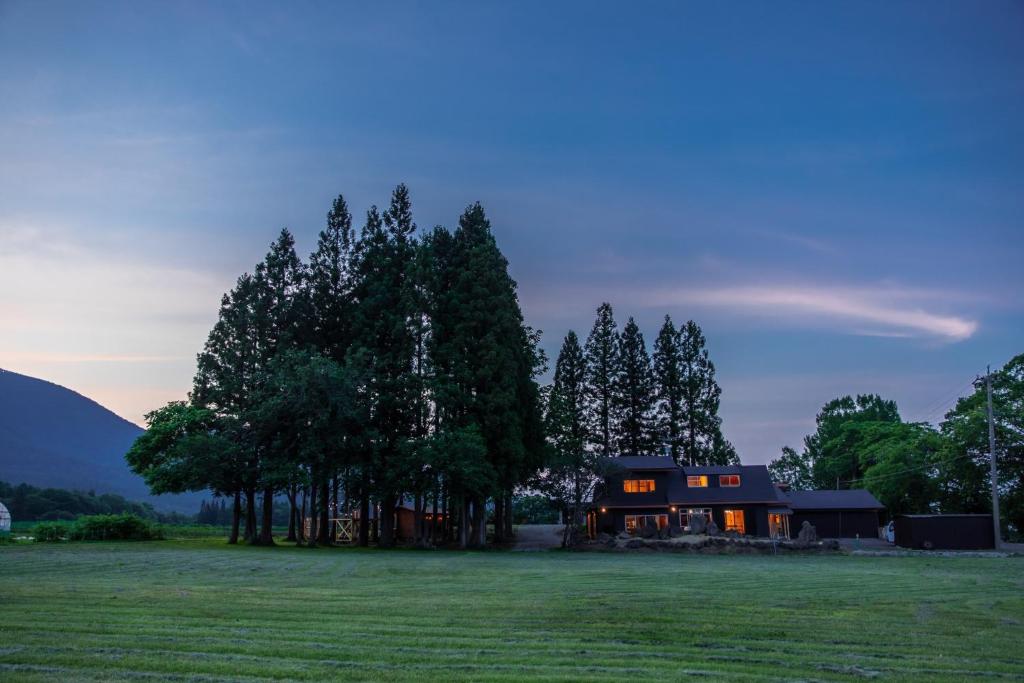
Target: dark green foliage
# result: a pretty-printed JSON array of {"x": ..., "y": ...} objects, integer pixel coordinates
[
  {"x": 534, "y": 509},
  {"x": 602, "y": 352},
  {"x": 963, "y": 479},
  {"x": 50, "y": 532},
  {"x": 703, "y": 443},
  {"x": 121, "y": 527},
  {"x": 633, "y": 395},
  {"x": 29, "y": 503},
  {"x": 573, "y": 470},
  {"x": 833, "y": 449},
  {"x": 792, "y": 469},
  {"x": 668, "y": 378}
]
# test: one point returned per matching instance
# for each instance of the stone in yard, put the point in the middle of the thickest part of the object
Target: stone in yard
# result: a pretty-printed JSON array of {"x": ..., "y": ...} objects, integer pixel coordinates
[
  {"x": 634, "y": 544},
  {"x": 603, "y": 537},
  {"x": 808, "y": 535}
]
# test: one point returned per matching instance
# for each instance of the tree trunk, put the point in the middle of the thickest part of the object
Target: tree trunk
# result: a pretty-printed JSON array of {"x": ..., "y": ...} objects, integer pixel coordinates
[
  {"x": 250, "y": 514},
  {"x": 267, "y": 523},
  {"x": 499, "y": 518},
  {"x": 464, "y": 523},
  {"x": 433, "y": 521},
  {"x": 364, "y": 518},
  {"x": 325, "y": 512},
  {"x": 236, "y": 518},
  {"x": 311, "y": 539},
  {"x": 509, "y": 521},
  {"x": 292, "y": 493},
  {"x": 481, "y": 521},
  {"x": 302, "y": 515},
  {"x": 387, "y": 521}
]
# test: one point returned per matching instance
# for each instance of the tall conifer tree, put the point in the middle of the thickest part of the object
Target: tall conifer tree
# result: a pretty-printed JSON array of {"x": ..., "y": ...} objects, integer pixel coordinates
[
  {"x": 669, "y": 389},
  {"x": 602, "y": 349},
  {"x": 633, "y": 396},
  {"x": 702, "y": 436}
]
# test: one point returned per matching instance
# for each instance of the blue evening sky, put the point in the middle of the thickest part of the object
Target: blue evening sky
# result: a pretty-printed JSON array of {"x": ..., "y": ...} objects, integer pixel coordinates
[{"x": 834, "y": 191}]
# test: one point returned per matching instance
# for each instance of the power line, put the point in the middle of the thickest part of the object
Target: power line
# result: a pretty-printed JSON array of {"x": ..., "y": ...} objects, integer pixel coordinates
[{"x": 942, "y": 406}]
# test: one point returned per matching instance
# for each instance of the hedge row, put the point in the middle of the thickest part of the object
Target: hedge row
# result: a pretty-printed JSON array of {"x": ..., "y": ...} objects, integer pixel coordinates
[{"x": 123, "y": 527}]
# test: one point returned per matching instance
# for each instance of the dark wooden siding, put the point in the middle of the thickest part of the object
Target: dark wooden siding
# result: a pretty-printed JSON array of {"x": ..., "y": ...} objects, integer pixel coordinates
[
  {"x": 945, "y": 532},
  {"x": 836, "y": 523}
]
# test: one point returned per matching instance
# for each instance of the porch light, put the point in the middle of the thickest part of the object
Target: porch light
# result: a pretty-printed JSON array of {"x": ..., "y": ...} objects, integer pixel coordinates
[
  {"x": 673, "y": 508},
  {"x": 604, "y": 510}
]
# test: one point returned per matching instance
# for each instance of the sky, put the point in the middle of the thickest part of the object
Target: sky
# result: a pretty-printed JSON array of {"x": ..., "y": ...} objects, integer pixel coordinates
[{"x": 833, "y": 191}]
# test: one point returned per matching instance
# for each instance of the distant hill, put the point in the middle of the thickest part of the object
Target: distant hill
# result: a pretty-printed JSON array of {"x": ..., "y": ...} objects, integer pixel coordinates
[{"x": 51, "y": 436}]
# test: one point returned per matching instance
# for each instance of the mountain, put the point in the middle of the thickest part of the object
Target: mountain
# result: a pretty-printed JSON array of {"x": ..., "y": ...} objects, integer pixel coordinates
[{"x": 52, "y": 436}]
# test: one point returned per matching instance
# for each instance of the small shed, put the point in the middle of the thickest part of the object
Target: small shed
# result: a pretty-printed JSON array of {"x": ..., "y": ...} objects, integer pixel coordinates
[
  {"x": 945, "y": 532},
  {"x": 5, "y": 519}
]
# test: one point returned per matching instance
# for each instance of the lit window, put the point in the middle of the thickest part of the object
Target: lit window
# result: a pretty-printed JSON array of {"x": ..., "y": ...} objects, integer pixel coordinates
[
  {"x": 728, "y": 480},
  {"x": 697, "y": 480},
  {"x": 636, "y": 522},
  {"x": 686, "y": 515},
  {"x": 638, "y": 485},
  {"x": 734, "y": 521}
]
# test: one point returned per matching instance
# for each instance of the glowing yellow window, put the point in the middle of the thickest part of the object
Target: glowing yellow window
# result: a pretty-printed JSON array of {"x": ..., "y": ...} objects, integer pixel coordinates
[
  {"x": 638, "y": 485},
  {"x": 734, "y": 521},
  {"x": 697, "y": 481}
]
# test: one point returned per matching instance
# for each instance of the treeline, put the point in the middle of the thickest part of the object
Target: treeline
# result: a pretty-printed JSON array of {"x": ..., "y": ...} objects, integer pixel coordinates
[
  {"x": 30, "y": 504},
  {"x": 389, "y": 365},
  {"x": 914, "y": 467}
]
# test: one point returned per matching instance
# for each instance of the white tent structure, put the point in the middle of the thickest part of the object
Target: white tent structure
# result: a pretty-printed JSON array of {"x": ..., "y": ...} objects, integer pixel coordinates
[{"x": 5, "y": 519}]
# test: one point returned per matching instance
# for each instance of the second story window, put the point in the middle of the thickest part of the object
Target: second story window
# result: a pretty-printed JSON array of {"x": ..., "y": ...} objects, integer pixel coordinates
[
  {"x": 728, "y": 480},
  {"x": 697, "y": 481},
  {"x": 638, "y": 485}
]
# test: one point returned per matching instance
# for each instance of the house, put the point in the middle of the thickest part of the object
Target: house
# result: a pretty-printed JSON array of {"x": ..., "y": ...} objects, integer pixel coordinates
[{"x": 653, "y": 490}]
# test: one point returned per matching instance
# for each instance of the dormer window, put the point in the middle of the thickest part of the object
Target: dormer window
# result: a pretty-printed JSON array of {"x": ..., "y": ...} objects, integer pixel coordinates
[
  {"x": 638, "y": 485},
  {"x": 729, "y": 480},
  {"x": 697, "y": 481}
]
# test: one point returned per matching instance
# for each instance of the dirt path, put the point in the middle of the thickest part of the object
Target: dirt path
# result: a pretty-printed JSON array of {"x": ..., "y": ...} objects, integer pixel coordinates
[{"x": 538, "y": 537}]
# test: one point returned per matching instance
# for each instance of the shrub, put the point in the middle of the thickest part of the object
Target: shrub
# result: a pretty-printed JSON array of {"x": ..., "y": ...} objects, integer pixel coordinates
[
  {"x": 48, "y": 532},
  {"x": 123, "y": 527}
]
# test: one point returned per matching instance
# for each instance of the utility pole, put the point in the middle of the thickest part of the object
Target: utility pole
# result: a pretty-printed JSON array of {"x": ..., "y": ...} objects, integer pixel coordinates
[{"x": 992, "y": 458}]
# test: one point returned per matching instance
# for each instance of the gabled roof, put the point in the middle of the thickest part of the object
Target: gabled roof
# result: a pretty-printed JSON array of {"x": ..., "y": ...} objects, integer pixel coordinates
[
  {"x": 755, "y": 487},
  {"x": 644, "y": 462},
  {"x": 847, "y": 499}
]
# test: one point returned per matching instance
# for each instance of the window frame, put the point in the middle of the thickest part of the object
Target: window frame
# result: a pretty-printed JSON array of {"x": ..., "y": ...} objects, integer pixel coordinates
[
  {"x": 702, "y": 481},
  {"x": 658, "y": 519},
  {"x": 684, "y": 516},
  {"x": 723, "y": 478},
  {"x": 641, "y": 486},
  {"x": 740, "y": 528}
]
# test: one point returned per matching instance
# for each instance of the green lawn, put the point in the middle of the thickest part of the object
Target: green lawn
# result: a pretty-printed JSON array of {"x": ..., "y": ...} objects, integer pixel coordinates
[{"x": 200, "y": 610}]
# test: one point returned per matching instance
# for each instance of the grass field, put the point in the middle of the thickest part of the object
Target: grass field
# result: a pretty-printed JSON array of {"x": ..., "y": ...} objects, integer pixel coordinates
[{"x": 200, "y": 610}]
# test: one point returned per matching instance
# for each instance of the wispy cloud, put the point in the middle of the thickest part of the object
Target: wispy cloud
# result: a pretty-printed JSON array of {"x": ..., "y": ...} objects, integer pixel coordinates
[{"x": 887, "y": 311}]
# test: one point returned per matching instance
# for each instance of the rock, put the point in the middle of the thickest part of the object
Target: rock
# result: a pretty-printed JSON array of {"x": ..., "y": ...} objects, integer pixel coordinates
[
  {"x": 698, "y": 524},
  {"x": 712, "y": 529},
  {"x": 603, "y": 537},
  {"x": 624, "y": 536},
  {"x": 808, "y": 535},
  {"x": 611, "y": 542},
  {"x": 634, "y": 544}
]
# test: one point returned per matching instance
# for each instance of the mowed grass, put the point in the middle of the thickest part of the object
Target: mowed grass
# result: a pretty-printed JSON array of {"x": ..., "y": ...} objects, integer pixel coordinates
[{"x": 201, "y": 610}]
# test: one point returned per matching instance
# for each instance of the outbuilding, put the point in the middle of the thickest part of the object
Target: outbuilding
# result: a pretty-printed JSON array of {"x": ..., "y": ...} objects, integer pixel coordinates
[
  {"x": 945, "y": 532},
  {"x": 845, "y": 513}
]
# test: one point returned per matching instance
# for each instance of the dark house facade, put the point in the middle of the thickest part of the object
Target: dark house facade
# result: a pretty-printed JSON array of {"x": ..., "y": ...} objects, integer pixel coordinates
[{"x": 653, "y": 490}]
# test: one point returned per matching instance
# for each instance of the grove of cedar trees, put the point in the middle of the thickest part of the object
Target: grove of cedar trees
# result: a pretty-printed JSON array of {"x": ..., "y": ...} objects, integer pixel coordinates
[{"x": 390, "y": 366}]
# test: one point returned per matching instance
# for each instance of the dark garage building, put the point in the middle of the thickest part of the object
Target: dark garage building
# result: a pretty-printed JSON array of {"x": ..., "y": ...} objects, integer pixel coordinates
[
  {"x": 836, "y": 514},
  {"x": 945, "y": 532}
]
